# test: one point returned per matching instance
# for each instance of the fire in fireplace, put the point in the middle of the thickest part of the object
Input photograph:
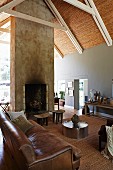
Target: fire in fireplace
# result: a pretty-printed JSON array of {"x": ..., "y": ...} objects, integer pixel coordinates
[{"x": 35, "y": 97}]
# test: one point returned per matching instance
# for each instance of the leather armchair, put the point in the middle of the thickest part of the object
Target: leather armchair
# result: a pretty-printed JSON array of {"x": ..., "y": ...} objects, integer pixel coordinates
[{"x": 102, "y": 134}]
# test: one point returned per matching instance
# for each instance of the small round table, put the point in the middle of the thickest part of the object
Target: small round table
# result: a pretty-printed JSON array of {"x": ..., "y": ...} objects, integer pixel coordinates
[
  {"x": 58, "y": 114},
  {"x": 77, "y": 133},
  {"x": 42, "y": 118}
]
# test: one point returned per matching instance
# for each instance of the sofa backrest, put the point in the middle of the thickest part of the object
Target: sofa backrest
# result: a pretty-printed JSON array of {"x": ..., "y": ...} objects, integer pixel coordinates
[
  {"x": 17, "y": 141},
  {"x": 3, "y": 117}
]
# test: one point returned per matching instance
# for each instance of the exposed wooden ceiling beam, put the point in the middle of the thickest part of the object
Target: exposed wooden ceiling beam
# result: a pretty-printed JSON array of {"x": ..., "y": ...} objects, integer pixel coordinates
[
  {"x": 34, "y": 19},
  {"x": 53, "y": 11},
  {"x": 59, "y": 52},
  {"x": 96, "y": 16},
  {"x": 4, "y": 42},
  {"x": 10, "y": 5},
  {"x": 68, "y": 32},
  {"x": 4, "y": 22},
  {"x": 4, "y": 30},
  {"x": 100, "y": 23},
  {"x": 80, "y": 5}
]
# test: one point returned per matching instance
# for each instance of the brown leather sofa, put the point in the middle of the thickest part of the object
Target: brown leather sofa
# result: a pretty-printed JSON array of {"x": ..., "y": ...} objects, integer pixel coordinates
[{"x": 38, "y": 149}]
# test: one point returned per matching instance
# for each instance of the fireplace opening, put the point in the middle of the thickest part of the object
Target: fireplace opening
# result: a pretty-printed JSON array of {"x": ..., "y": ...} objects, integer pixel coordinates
[{"x": 35, "y": 98}]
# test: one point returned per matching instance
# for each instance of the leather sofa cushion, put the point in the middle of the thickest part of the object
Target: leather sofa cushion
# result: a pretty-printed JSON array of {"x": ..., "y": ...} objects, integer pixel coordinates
[
  {"x": 38, "y": 136},
  {"x": 54, "y": 145},
  {"x": 35, "y": 129}
]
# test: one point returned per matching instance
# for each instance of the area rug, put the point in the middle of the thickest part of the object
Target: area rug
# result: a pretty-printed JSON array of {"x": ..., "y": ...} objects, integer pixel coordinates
[{"x": 91, "y": 158}]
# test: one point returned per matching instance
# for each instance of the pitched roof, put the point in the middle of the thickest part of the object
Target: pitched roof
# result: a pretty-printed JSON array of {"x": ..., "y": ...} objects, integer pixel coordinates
[{"x": 81, "y": 24}]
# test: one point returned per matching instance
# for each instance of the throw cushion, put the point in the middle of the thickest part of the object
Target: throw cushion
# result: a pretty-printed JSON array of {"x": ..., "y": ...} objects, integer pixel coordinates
[
  {"x": 108, "y": 151},
  {"x": 14, "y": 115},
  {"x": 23, "y": 123},
  {"x": 109, "y": 131}
]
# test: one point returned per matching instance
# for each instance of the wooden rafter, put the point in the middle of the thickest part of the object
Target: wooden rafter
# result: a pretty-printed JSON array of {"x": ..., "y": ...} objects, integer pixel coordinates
[
  {"x": 53, "y": 11},
  {"x": 8, "y": 9},
  {"x": 4, "y": 22},
  {"x": 4, "y": 30},
  {"x": 58, "y": 50},
  {"x": 10, "y": 5},
  {"x": 81, "y": 6},
  {"x": 89, "y": 7},
  {"x": 97, "y": 18},
  {"x": 68, "y": 31},
  {"x": 34, "y": 19}
]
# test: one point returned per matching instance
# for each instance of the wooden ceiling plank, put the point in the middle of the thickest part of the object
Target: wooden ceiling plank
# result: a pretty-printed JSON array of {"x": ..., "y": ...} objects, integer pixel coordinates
[
  {"x": 81, "y": 6},
  {"x": 100, "y": 23},
  {"x": 34, "y": 19},
  {"x": 58, "y": 50},
  {"x": 99, "y": 26},
  {"x": 4, "y": 30},
  {"x": 73, "y": 40},
  {"x": 68, "y": 32}
]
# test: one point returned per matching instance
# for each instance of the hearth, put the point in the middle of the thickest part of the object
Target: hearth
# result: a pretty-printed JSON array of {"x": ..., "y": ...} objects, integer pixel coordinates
[{"x": 36, "y": 98}]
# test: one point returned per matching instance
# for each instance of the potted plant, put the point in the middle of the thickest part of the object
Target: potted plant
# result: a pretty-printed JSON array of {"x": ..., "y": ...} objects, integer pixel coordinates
[{"x": 62, "y": 94}]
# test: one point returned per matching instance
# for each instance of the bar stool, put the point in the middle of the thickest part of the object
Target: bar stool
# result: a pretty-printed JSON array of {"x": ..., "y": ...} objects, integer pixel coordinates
[{"x": 58, "y": 114}]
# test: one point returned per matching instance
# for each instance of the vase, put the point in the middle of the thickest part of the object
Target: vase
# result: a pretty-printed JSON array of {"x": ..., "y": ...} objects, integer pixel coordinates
[{"x": 75, "y": 125}]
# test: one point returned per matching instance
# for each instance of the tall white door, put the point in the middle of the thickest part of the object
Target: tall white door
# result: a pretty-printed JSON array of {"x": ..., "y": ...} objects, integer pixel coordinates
[{"x": 80, "y": 92}]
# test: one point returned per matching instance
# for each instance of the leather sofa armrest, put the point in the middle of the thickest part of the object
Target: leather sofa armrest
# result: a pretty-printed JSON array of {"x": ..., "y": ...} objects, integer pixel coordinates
[
  {"x": 43, "y": 161},
  {"x": 43, "y": 158},
  {"x": 28, "y": 153},
  {"x": 76, "y": 152},
  {"x": 76, "y": 157}
]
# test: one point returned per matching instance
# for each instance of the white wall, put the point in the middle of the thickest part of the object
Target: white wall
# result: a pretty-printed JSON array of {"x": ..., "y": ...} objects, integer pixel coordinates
[{"x": 95, "y": 64}]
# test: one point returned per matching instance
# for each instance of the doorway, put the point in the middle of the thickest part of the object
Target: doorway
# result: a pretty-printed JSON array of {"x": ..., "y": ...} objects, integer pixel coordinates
[
  {"x": 83, "y": 92},
  {"x": 80, "y": 93}
]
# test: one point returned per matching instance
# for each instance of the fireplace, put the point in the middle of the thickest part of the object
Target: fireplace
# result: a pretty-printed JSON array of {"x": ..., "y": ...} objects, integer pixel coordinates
[{"x": 36, "y": 98}]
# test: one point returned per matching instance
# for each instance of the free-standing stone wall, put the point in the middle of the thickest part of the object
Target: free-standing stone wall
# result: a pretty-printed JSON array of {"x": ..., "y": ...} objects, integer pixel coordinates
[{"x": 32, "y": 52}]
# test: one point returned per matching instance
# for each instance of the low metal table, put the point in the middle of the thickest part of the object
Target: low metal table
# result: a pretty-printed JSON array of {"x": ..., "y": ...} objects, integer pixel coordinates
[
  {"x": 42, "y": 118},
  {"x": 70, "y": 131}
]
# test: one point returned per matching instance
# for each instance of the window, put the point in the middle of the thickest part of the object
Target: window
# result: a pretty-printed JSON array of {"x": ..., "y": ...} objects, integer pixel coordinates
[{"x": 5, "y": 64}]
